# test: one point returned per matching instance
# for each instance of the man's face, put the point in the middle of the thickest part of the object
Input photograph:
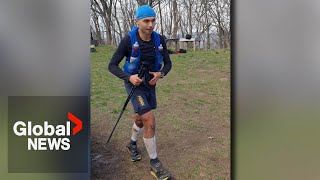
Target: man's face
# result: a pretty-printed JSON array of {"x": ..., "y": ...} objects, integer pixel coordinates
[{"x": 146, "y": 25}]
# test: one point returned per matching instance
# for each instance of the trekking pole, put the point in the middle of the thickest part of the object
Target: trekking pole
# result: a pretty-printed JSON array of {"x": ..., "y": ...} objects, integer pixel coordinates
[{"x": 140, "y": 75}]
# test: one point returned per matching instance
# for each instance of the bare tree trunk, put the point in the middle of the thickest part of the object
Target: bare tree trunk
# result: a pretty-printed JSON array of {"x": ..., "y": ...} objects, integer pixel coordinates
[
  {"x": 190, "y": 17},
  {"x": 198, "y": 17},
  {"x": 207, "y": 24},
  {"x": 227, "y": 24},
  {"x": 108, "y": 23},
  {"x": 175, "y": 19},
  {"x": 181, "y": 28},
  {"x": 106, "y": 13},
  {"x": 125, "y": 15},
  {"x": 97, "y": 34},
  {"x": 214, "y": 12},
  {"x": 160, "y": 17},
  {"x": 170, "y": 21},
  {"x": 117, "y": 20},
  {"x": 220, "y": 31},
  {"x": 208, "y": 39},
  {"x": 228, "y": 37},
  {"x": 91, "y": 35},
  {"x": 131, "y": 14}
]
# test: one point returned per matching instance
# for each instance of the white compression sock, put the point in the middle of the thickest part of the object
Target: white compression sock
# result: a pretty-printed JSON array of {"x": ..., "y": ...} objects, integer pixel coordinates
[
  {"x": 136, "y": 133},
  {"x": 151, "y": 147}
]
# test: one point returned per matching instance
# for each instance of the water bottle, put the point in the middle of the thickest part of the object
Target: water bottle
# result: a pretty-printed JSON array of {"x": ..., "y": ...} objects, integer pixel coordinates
[
  {"x": 132, "y": 59},
  {"x": 136, "y": 47},
  {"x": 160, "y": 48},
  {"x": 134, "y": 56}
]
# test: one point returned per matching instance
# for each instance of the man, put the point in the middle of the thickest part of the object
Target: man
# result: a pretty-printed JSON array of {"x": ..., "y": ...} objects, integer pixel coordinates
[{"x": 143, "y": 47}]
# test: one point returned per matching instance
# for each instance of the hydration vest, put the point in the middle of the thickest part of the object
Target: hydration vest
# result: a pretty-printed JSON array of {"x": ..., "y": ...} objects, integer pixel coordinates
[{"x": 133, "y": 63}]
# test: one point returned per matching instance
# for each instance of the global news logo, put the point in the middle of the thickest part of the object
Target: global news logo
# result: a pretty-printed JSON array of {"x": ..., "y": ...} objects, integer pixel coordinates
[{"x": 42, "y": 137}]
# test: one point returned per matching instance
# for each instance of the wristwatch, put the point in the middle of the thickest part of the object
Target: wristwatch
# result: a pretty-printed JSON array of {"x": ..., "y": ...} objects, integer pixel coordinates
[{"x": 162, "y": 75}]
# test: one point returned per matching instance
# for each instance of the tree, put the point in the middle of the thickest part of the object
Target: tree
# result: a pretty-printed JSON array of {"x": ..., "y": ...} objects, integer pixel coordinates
[
  {"x": 114, "y": 14},
  {"x": 188, "y": 5},
  {"x": 161, "y": 25},
  {"x": 105, "y": 10},
  {"x": 208, "y": 20},
  {"x": 127, "y": 8},
  {"x": 175, "y": 13},
  {"x": 95, "y": 19},
  {"x": 151, "y": 3},
  {"x": 221, "y": 19}
]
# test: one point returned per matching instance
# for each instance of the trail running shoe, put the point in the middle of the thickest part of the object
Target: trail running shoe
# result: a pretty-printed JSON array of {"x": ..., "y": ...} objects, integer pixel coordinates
[
  {"x": 133, "y": 150},
  {"x": 158, "y": 171}
]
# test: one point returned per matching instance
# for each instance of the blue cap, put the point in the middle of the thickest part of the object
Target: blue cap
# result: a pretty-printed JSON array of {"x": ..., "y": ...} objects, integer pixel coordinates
[{"x": 144, "y": 12}]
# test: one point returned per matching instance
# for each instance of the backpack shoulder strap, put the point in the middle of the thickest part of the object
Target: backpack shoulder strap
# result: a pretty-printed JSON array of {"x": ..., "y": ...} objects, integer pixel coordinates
[
  {"x": 159, "y": 57},
  {"x": 133, "y": 35},
  {"x": 156, "y": 38}
]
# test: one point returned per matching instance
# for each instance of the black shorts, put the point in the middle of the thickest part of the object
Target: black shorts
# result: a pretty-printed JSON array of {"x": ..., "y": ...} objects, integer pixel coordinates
[{"x": 143, "y": 99}]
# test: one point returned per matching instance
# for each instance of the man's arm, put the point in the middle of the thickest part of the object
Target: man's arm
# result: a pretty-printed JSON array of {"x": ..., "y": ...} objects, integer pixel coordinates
[
  {"x": 117, "y": 57},
  {"x": 166, "y": 58}
]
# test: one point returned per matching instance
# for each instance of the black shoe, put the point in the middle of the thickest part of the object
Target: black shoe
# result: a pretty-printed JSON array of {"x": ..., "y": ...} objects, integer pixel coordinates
[
  {"x": 158, "y": 171},
  {"x": 133, "y": 150}
]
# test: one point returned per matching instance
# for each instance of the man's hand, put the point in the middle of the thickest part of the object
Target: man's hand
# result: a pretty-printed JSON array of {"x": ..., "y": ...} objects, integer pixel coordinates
[
  {"x": 156, "y": 76},
  {"x": 135, "y": 80}
]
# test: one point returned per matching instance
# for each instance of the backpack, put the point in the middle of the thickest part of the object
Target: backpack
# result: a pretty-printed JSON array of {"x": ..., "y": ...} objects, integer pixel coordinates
[{"x": 133, "y": 63}]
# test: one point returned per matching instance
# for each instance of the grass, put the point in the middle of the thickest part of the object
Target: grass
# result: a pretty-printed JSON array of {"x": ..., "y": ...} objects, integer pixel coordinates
[{"x": 193, "y": 104}]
